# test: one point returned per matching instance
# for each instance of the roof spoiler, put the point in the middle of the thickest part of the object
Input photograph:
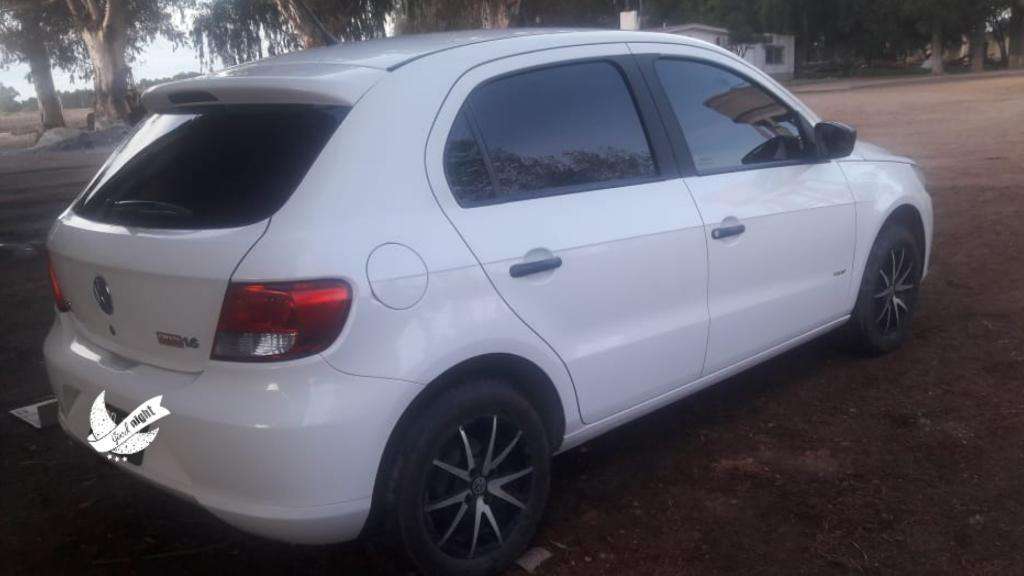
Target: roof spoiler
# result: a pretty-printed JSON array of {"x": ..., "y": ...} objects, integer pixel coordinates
[{"x": 325, "y": 84}]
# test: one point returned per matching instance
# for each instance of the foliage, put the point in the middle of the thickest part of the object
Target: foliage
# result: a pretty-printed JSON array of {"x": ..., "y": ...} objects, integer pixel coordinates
[
  {"x": 8, "y": 100},
  {"x": 235, "y": 31},
  {"x": 63, "y": 44}
]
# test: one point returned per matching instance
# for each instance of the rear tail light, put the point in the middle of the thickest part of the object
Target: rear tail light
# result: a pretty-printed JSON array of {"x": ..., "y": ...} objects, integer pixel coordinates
[
  {"x": 58, "y": 296},
  {"x": 262, "y": 322}
]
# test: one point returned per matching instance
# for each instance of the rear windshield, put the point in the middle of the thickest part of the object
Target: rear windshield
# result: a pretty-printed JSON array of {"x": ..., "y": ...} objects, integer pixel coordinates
[{"x": 215, "y": 168}]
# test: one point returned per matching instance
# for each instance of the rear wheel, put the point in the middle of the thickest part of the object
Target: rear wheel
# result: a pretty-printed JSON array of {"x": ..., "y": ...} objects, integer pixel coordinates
[
  {"x": 888, "y": 293},
  {"x": 473, "y": 480}
]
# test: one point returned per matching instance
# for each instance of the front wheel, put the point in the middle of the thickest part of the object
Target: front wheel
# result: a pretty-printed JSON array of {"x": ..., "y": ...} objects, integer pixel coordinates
[
  {"x": 473, "y": 480},
  {"x": 888, "y": 292}
]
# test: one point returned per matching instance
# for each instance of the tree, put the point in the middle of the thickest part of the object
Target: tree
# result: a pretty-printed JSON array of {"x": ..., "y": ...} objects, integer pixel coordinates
[
  {"x": 114, "y": 31},
  {"x": 1016, "y": 34},
  {"x": 235, "y": 31},
  {"x": 8, "y": 100},
  {"x": 433, "y": 15},
  {"x": 41, "y": 34}
]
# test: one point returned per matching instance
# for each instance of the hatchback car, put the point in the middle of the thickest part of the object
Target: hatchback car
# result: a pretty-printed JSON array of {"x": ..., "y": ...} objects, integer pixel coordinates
[{"x": 379, "y": 285}]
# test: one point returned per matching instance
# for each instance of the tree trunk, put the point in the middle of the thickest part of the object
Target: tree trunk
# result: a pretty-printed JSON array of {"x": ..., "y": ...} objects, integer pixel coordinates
[
  {"x": 803, "y": 41},
  {"x": 311, "y": 32},
  {"x": 498, "y": 13},
  {"x": 42, "y": 77},
  {"x": 1016, "y": 33},
  {"x": 937, "y": 48},
  {"x": 978, "y": 47},
  {"x": 1000, "y": 37},
  {"x": 110, "y": 74}
]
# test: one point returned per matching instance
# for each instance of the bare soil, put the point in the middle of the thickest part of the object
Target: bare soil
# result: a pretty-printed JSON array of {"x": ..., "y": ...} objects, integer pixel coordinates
[
  {"x": 818, "y": 462},
  {"x": 21, "y": 129}
]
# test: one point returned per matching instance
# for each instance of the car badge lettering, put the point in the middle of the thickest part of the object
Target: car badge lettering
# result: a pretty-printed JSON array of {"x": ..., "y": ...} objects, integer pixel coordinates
[{"x": 176, "y": 340}]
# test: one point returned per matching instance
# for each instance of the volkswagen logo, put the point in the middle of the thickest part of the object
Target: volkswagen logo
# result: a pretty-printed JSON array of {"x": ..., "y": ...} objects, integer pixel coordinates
[{"x": 101, "y": 292}]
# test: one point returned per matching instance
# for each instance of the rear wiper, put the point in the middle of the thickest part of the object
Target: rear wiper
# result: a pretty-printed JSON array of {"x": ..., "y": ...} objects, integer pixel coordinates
[{"x": 151, "y": 208}]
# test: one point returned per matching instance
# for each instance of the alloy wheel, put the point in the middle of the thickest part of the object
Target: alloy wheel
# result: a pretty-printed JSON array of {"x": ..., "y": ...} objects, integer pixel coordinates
[
  {"x": 478, "y": 488},
  {"x": 895, "y": 290}
]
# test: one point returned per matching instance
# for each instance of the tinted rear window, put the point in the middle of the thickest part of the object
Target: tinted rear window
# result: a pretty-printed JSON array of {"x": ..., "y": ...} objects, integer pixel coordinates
[{"x": 217, "y": 168}]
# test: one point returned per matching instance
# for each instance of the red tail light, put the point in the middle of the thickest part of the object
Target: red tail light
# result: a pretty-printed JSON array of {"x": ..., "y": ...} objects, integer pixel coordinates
[
  {"x": 263, "y": 322},
  {"x": 58, "y": 297}
]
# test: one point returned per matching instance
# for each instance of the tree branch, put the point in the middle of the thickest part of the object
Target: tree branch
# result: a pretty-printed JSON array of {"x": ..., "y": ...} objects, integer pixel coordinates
[
  {"x": 95, "y": 12},
  {"x": 115, "y": 14},
  {"x": 76, "y": 10}
]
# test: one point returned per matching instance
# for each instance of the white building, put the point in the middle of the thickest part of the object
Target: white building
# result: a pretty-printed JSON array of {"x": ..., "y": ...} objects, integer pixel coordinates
[{"x": 774, "y": 54}]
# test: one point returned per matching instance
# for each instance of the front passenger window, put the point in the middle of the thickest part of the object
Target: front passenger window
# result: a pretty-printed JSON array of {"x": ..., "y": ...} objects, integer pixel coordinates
[{"x": 728, "y": 122}]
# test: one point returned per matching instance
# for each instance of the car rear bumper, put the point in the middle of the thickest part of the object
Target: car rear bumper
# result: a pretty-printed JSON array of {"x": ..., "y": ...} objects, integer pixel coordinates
[{"x": 289, "y": 451}]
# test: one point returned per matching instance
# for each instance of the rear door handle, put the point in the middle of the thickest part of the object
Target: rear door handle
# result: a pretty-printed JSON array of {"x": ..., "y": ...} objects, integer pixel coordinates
[
  {"x": 535, "y": 267},
  {"x": 728, "y": 231}
]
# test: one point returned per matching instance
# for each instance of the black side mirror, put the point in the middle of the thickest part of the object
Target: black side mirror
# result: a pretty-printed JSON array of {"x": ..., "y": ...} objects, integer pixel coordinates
[{"x": 835, "y": 139}]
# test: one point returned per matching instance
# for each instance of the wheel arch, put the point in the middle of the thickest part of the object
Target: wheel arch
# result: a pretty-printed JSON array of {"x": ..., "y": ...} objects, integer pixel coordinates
[
  {"x": 908, "y": 215},
  {"x": 524, "y": 375}
]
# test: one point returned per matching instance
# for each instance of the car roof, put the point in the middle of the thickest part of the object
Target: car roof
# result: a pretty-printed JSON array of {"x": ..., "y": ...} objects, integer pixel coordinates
[
  {"x": 341, "y": 73},
  {"x": 391, "y": 53}
]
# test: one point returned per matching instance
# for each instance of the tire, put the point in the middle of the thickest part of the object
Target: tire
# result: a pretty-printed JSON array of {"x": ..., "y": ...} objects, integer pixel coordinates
[
  {"x": 885, "y": 308},
  {"x": 463, "y": 444}
]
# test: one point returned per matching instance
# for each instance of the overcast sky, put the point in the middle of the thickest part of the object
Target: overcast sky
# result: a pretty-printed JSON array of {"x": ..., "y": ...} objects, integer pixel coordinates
[{"x": 159, "y": 60}]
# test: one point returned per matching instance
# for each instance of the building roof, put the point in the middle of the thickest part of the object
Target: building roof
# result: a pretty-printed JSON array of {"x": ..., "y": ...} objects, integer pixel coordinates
[{"x": 691, "y": 27}]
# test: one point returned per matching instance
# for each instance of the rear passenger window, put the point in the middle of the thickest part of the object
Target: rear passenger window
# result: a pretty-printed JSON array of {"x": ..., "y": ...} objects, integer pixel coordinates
[
  {"x": 464, "y": 164},
  {"x": 549, "y": 131},
  {"x": 728, "y": 122}
]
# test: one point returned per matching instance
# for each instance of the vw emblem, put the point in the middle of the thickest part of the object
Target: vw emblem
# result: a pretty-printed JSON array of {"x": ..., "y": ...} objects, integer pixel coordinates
[{"x": 101, "y": 292}]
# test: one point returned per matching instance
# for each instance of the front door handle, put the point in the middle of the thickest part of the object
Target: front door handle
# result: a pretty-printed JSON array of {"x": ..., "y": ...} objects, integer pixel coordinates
[
  {"x": 535, "y": 267},
  {"x": 728, "y": 231}
]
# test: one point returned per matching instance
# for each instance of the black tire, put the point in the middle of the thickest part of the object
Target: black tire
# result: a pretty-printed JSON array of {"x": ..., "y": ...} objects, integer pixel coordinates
[
  {"x": 441, "y": 541},
  {"x": 885, "y": 308}
]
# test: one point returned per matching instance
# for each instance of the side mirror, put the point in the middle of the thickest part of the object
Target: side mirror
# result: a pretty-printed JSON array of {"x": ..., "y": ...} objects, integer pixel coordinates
[{"x": 835, "y": 139}]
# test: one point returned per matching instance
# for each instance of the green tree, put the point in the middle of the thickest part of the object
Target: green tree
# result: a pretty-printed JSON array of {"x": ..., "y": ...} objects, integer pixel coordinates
[
  {"x": 9, "y": 100},
  {"x": 234, "y": 31},
  {"x": 41, "y": 34},
  {"x": 115, "y": 32}
]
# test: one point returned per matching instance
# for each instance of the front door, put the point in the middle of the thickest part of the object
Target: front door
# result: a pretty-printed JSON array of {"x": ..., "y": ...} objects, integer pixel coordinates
[
  {"x": 550, "y": 167},
  {"x": 780, "y": 224}
]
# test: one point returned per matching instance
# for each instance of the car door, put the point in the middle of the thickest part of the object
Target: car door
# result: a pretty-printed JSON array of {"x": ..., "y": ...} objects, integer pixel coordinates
[
  {"x": 557, "y": 173},
  {"x": 780, "y": 223}
]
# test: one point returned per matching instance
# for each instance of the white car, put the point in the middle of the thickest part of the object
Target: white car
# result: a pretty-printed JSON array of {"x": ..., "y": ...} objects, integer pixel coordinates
[{"x": 379, "y": 285}]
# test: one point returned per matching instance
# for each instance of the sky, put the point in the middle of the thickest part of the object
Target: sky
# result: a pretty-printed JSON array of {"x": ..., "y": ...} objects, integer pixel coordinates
[{"x": 158, "y": 60}]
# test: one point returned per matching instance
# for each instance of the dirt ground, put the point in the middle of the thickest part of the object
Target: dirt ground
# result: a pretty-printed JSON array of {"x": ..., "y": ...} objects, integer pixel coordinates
[
  {"x": 817, "y": 463},
  {"x": 20, "y": 130}
]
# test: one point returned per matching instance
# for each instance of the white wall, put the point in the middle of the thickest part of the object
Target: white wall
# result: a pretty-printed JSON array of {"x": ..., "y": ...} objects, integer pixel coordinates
[{"x": 756, "y": 55}]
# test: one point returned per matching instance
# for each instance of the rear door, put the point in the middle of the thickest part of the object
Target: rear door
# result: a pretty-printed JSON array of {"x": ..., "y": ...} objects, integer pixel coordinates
[
  {"x": 556, "y": 171},
  {"x": 145, "y": 256},
  {"x": 780, "y": 223}
]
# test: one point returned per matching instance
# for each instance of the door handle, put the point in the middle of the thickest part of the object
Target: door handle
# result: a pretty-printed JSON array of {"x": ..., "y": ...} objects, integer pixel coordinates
[
  {"x": 728, "y": 231},
  {"x": 535, "y": 267}
]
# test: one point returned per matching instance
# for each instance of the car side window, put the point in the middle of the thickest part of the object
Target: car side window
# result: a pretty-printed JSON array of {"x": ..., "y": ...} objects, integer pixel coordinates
[
  {"x": 464, "y": 164},
  {"x": 730, "y": 123},
  {"x": 549, "y": 131}
]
